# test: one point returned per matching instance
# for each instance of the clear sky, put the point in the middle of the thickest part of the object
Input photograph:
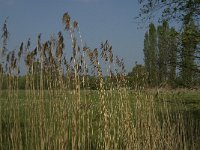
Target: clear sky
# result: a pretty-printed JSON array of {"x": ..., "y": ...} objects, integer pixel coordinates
[{"x": 99, "y": 20}]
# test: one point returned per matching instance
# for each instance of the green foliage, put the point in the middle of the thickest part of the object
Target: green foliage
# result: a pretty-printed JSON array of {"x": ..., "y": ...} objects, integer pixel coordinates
[
  {"x": 150, "y": 54},
  {"x": 22, "y": 82},
  {"x": 175, "y": 10},
  {"x": 167, "y": 53},
  {"x": 189, "y": 68},
  {"x": 163, "y": 47},
  {"x": 160, "y": 54},
  {"x": 182, "y": 55},
  {"x": 138, "y": 77},
  {"x": 91, "y": 82},
  {"x": 172, "y": 55}
]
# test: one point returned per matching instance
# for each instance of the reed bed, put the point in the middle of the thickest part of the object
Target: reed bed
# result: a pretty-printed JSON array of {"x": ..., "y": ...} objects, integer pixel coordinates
[{"x": 58, "y": 109}]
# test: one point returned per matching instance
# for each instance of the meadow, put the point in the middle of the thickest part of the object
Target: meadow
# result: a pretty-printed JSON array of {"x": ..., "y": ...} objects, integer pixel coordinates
[
  {"x": 59, "y": 110},
  {"x": 134, "y": 120}
]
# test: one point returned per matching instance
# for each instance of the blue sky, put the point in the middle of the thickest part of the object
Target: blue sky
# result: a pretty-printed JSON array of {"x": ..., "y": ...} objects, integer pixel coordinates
[{"x": 99, "y": 20}]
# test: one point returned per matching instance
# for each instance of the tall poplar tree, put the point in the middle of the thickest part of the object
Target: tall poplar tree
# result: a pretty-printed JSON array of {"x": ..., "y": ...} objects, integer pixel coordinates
[
  {"x": 189, "y": 47},
  {"x": 167, "y": 53},
  {"x": 172, "y": 54},
  {"x": 160, "y": 54},
  {"x": 150, "y": 54},
  {"x": 163, "y": 51},
  {"x": 146, "y": 52},
  {"x": 153, "y": 54}
]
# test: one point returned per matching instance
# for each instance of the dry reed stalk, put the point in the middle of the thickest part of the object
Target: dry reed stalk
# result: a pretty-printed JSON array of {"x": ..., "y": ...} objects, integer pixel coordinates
[{"x": 65, "y": 115}]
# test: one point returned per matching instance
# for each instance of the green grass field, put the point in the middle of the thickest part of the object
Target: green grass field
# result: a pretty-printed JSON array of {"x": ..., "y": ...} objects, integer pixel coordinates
[{"x": 130, "y": 120}]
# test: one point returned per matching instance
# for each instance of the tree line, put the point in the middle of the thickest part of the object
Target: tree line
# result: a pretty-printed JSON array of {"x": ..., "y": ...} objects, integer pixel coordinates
[{"x": 171, "y": 56}]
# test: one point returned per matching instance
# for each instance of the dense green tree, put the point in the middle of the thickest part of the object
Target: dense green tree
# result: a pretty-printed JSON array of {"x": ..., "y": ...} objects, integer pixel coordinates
[
  {"x": 21, "y": 82},
  {"x": 138, "y": 77},
  {"x": 152, "y": 52},
  {"x": 172, "y": 54},
  {"x": 146, "y": 52},
  {"x": 187, "y": 14},
  {"x": 163, "y": 51},
  {"x": 160, "y": 54},
  {"x": 167, "y": 52},
  {"x": 188, "y": 51}
]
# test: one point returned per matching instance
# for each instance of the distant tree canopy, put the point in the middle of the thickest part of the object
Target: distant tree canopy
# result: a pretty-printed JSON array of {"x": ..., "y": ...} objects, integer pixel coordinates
[
  {"x": 178, "y": 10},
  {"x": 177, "y": 54},
  {"x": 160, "y": 48},
  {"x": 137, "y": 78},
  {"x": 170, "y": 55}
]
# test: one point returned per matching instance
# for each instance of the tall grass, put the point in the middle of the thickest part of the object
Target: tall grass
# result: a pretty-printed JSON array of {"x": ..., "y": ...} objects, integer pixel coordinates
[{"x": 57, "y": 110}]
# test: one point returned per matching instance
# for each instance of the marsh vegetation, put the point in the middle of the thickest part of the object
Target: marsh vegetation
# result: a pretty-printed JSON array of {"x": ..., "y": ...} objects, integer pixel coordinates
[{"x": 57, "y": 108}]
